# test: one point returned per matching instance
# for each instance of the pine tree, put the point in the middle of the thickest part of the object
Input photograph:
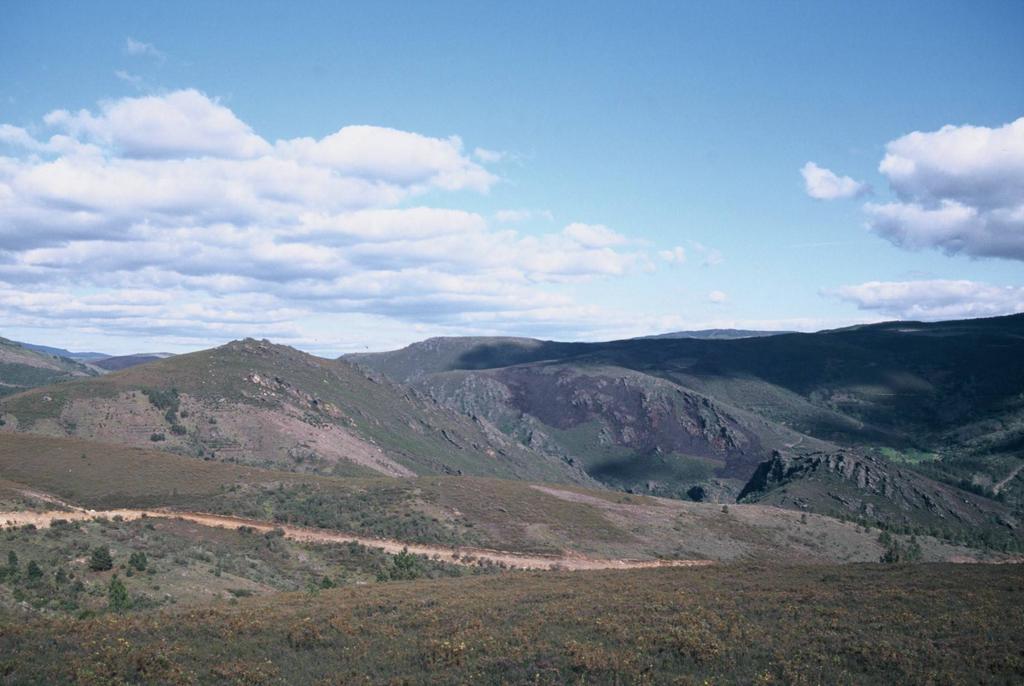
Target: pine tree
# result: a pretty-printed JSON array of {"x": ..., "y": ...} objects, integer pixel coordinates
[
  {"x": 117, "y": 595},
  {"x": 101, "y": 559}
]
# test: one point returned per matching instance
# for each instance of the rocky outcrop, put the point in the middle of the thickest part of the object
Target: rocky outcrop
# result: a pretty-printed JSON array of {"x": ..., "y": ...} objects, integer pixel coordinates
[
  {"x": 848, "y": 483},
  {"x": 868, "y": 474}
]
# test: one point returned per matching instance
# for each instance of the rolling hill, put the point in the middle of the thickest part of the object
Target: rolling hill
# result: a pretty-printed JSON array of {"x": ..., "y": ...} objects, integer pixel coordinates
[{"x": 258, "y": 403}]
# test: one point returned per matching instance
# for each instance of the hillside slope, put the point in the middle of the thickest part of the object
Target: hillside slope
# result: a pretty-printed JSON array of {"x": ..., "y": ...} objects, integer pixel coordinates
[
  {"x": 258, "y": 403},
  {"x": 514, "y": 516},
  {"x": 728, "y": 624},
  {"x": 628, "y": 430},
  {"x": 845, "y": 484},
  {"x": 947, "y": 396},
  {"x": 22, "y": 368}
]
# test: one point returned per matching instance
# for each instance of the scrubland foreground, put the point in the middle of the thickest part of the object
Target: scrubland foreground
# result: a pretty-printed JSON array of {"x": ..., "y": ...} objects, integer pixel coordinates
[{"x": 742, "y": 623}]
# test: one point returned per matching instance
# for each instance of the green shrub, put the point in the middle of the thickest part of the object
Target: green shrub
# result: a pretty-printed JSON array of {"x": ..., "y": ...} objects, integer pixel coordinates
[
  {"x": 100, "y": 560},
  {"x": 117, "y": 595},
  {"x": 138, "y": 561}
]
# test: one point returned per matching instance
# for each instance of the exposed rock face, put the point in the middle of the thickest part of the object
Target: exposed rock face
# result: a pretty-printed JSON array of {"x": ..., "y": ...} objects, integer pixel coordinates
[
  {"x": 626, "y": 429},
  {"x": 845, "y": 482},
  {"x": 869, "y": 474}
]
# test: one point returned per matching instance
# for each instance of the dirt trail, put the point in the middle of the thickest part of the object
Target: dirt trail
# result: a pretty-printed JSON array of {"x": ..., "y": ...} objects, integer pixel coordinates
[
  {"x": 1002, "y": 484},
  {"x": 457, "y": 555}
]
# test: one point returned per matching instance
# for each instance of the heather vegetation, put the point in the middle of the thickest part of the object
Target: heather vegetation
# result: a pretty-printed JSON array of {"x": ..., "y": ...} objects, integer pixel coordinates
[{"x": 913, "y": 624}]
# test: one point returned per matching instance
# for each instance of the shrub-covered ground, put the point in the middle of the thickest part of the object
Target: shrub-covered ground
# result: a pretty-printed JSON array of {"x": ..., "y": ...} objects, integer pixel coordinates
[
  {"x": 167, "y": 562},
  {"x": 936, "y": 624}
]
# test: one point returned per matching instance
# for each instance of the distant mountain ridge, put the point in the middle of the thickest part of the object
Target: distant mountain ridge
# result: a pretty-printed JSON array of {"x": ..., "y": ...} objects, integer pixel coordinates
[
  {"x": 716, "y": 334},
  {"x": 22, "y": 368},
  {"x": 61, "y": 352},
  {"x": 117, "y": 362}
]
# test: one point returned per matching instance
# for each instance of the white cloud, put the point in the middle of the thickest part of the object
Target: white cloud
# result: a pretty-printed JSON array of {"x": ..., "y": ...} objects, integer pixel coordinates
[
  {"x": 676, "y": 255},
  {"x": 717, "y": 297},
  {"x": 131, "y": 79},
  {"x": 488, "y": 156},
  {"x": 960, "y": 189},
  {"x": 824, "y": 184},
  {"x": 170, "y": 214},
  {"x": 933, "y": 299},
  {"x": 402, "y": 157},
  {"x": 178, "y": 125},
  {"x": 138, "y": 48},
  {"x": 17, "y": 137},
  {"x": 593, "y": 235}
]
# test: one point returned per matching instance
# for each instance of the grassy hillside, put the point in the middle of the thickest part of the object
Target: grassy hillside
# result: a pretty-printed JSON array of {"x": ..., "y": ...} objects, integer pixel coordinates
[
  {"x": 116, "y": 363},
  {"x": 730, "y": 624},
  {"x": 261, "y": 404},
  {"x": 22, "y": 368}
]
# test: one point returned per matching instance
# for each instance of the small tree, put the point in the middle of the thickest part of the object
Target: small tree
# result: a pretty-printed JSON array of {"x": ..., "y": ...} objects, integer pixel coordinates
[
  {"x": 101, "y": 561},
  {"x": 33, "y": 572},
  {"x": 403, "y": 566},
  {"x": 117, "y": 595},
  {"x": 913, "y": 552},
  {"x": 11, "y": 570}
]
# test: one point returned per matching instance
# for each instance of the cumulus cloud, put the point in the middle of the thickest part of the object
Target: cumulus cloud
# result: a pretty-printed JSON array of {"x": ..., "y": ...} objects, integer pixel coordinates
[
  {"x": 182, "y": 124},
  {"x": 933, "y": 299},
  {"x": 717, "y": 297},
  {"x": 170, "y": 214},
  {"x": 824, "y": 184},
  {"x": 593, "y": 235},
  {"x": 959, "y": 189},
  {"x": 373, "y": 152}
]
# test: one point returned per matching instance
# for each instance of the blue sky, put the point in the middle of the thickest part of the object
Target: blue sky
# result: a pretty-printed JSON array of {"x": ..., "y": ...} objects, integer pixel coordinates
[{"x": 600, "y": 141}]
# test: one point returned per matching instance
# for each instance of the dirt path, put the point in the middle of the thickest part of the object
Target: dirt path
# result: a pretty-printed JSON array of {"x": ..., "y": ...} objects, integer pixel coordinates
[
  {"x": 999, "y": 486},
  {"x": 457, "y": 555}
]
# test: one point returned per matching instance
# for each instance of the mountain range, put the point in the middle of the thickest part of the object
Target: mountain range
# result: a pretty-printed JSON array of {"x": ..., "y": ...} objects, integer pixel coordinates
[{"x": 935, "y": 410}]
